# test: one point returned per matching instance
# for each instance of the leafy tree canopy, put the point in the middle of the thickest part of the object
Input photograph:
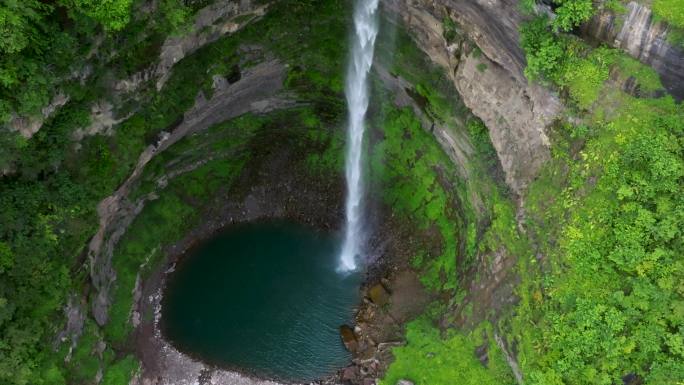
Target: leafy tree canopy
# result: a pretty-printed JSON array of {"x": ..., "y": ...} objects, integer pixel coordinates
[
  {"x": 112, "y": 14},
  {"x": 572, "y": 13}
]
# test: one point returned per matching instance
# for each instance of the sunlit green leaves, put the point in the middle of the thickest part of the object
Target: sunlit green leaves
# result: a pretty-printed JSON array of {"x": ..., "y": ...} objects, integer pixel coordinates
[
  {"x": 572, "y": 13},
  {"x": 544, "y": 51},
  {"x": 615, "y": 305},
  {"x": 409, "y": 164},
  {"x": 113, "y": 14},
  {"x": 671, "y": 11},
  {"x": 431, "y": 358}
]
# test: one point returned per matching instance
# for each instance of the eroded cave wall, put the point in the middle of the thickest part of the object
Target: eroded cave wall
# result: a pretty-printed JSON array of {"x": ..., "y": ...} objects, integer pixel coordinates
[
  {"x": 485, "y": 63},
  {"x": 515, "y": 111}
]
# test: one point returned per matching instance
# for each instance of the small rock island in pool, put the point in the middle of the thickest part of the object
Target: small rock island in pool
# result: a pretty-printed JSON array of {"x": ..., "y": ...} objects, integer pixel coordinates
[{"x": 266, "y": 299}]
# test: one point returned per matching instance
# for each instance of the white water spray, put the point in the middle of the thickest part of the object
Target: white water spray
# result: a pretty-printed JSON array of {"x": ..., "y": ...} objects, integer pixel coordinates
[{"x": 356, "y": 90}]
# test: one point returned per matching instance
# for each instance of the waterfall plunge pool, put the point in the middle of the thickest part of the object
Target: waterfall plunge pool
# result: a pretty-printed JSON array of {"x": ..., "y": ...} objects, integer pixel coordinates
[{"x": 265, "y": 299}]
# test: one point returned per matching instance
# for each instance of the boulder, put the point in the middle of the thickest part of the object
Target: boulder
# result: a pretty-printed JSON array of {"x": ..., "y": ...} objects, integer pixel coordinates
[
  {"x": 350, "y": 373},
  {"x": 349, "y": 338},
  {"x": 404, "y": 382},
  {"x": 378, "y": 294}
]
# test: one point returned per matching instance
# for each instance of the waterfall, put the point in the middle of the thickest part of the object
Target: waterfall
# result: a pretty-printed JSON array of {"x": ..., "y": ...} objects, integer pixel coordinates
[{"x": 356, "y": 90}]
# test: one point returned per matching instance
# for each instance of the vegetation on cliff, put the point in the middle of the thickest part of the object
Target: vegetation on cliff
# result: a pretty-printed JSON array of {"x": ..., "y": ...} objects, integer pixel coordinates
[
  {"x": 608, "y": 212},
  {"x": 420, "y": 183},
  {"x": 52, "y": 182},
  {"x": 601, "y": 293},
  {"x": 45, "y": 42},
  {"x": 432, "y": 358},
  {"x": 671, "y": 11}
]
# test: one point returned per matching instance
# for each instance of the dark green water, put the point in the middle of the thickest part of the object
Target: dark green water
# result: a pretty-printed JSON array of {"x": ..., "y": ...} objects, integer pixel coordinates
[{"x": 263, "y": 298}]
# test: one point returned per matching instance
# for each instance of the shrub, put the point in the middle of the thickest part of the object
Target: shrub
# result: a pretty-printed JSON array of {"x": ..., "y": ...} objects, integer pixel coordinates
[
  {"x": 121, "y": 372},
  {"x": 671, "y": 11},
  {"x": 572, "y": 13},
  {"x": 545, "y": 52},
  {"x": 430, "y": 358},
  {"x": 584, "y": 77}
]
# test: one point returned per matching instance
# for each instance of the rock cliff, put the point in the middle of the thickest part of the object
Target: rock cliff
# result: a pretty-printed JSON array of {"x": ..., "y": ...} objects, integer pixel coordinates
[
  {"x": 256, "y": 92},
  {"x": 637, "y": 32},
  {"x": 492, "y": 85},
  {"x": 484, "y": 61}
]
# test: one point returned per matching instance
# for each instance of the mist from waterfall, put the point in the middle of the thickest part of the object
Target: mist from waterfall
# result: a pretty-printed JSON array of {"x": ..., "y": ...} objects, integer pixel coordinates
[{"x": 356, "y": 90}]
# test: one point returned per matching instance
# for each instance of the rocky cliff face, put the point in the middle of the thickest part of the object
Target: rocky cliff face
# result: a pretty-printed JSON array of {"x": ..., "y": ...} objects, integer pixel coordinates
[
  {"x": 483, "y": 60},
  {"x": 485, "y": 63},
  {"x": 636, "y": 32},
  {"x": 256, "y": 92},
  {"x": 211, "y": 23},
  {"x": 29, "y": 125},
  {"x": 492, "y": 85}
]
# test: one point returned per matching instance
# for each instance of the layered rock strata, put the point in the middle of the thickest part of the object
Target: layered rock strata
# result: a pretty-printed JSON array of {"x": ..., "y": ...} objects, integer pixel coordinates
[
  {"x": 638, "y": 33},
  {"x": 515, "y": 111}
]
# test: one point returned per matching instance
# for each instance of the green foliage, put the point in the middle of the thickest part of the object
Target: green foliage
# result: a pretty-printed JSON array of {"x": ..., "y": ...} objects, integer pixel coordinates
[
  {"x": 575, "y": 67},
  {"x": 559, "y": 59},
  {"x": 121, "y": 371},
  {"x": 433, "y": 93},
  {"x": 528, "y": 6},
  {"x": 18, "y": 21},
  {"x": 430, "y": 357},
  {"x": 332, "y": 159},
  {"x": 45, "y": 44},
  {"x": 112, "y": 14},
  {"x": 84, "y": 362},
  {"x": 607, "y": 213},
  {"x": 612, "y": 299},
  {"x": 479, "y": 136},
  {"x": 11, "y": 143},
  {"x": 671, "y": 11},
  {"x": 572, "y": 13},
  {"x": 176, "y": 14},
  {"x": 503, "y": 230},
  {"x": 317, "y": 57},
  {"x": 451, "y": 32},
  {"x": 36, "y": 254},
  {"x": 409, "y": 164},
  {"x": 545, "y": 52},
  {"x": 584, "y": 77},
  {"x": 646, "y": 77},
  {"x": 412, "y": 169},
  {"x": 615, "y": 5},
  {"x": 409, "y": 169},
  {"x": 6, "y": 257},
  {"x": 34, "y": 48}
]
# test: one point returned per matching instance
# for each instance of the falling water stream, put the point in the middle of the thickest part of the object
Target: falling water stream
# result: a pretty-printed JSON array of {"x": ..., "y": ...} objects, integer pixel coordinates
[{"x": 363, "y": 46}]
